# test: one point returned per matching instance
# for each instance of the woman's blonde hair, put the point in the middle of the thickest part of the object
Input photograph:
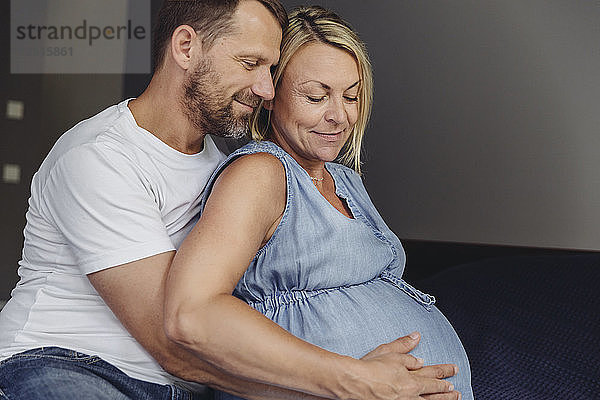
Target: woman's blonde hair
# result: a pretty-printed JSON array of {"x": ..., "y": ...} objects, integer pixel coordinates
[{"x": 316, "y": 24}]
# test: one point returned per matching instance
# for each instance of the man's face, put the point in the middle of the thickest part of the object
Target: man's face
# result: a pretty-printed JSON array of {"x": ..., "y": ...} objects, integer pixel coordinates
[{"x": 226, "y": 85}]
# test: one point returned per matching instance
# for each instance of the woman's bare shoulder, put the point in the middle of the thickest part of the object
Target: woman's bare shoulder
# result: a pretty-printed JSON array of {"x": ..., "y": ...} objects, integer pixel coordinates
[
  {"x": 258, "y": 180},
  {"x": 256, "y": 169}
]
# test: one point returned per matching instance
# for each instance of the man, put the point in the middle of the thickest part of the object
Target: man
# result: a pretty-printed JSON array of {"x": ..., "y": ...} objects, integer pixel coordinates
[{"x": 114, "y": 199}]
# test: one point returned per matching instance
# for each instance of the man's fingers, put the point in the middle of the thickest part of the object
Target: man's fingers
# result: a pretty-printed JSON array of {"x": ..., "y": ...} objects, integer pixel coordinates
[
  {"x": 401, "y": 345},
  {"x": 439, "y": 371},
  {"x": 443, "y": 396}
]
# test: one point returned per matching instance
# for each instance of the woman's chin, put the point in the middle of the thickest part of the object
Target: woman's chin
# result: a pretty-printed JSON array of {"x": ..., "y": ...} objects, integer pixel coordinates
[{"x": 327, "y": 156}]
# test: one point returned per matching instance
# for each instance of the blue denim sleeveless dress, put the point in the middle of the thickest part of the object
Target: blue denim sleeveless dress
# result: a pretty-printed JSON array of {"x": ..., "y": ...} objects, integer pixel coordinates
[{"x": 336, "y": 282}]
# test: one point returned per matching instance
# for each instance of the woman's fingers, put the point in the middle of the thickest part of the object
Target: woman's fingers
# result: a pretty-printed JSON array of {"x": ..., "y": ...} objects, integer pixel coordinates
[
  {"x": 413, "y": 379},
  {"x": 454, "y": 395},
  {"x": 439, "y": 371},
  {"x": 401, "y": 345},
  {"x": 444, "y": 390}
]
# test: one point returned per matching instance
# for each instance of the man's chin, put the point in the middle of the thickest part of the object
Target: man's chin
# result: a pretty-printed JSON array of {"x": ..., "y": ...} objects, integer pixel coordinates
[
  {"x": 235, "y": 135},
  {"x": 236, "y": 132}
]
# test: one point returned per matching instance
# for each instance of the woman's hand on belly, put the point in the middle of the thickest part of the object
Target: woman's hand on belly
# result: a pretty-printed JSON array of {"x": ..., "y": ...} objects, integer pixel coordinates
[{"x": 413, "y": 380}]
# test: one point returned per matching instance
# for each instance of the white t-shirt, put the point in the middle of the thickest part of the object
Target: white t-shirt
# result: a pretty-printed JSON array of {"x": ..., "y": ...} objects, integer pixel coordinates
[{"x": 108, "y": 193}]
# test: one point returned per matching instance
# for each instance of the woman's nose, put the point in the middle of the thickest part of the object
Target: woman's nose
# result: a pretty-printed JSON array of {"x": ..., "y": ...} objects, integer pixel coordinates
[{"x": 335, "y": 111}]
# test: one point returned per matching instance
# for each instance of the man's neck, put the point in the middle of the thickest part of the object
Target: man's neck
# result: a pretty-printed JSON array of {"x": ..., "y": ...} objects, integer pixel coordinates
[{"x": 158, "y": 111}]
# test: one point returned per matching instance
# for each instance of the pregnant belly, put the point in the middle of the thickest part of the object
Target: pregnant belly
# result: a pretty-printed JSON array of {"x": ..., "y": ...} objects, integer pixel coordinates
[{"x": 354, "y": 320}]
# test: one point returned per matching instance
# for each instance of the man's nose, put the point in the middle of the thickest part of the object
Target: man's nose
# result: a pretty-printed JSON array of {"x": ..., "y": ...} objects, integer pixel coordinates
[{"x": 263, "y": 87}]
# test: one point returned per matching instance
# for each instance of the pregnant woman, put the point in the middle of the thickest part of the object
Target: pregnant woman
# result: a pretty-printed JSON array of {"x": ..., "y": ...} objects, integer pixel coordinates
[{"x": 290, "y": 229}]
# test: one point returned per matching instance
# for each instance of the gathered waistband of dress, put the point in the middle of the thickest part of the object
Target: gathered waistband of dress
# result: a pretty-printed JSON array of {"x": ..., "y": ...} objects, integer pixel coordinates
[{"x": 279, "y": 299}]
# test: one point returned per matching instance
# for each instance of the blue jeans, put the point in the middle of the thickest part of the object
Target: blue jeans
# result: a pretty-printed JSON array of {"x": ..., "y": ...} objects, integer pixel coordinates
[{"x": 53, "y": 373}]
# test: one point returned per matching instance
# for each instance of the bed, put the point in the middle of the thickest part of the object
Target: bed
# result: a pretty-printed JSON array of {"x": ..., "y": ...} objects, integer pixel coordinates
[{"x": 530, "y": 324}]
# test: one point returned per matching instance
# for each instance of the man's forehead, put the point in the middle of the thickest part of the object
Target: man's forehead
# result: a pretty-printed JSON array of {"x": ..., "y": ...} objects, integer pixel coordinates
[{"x": 257, "y": 31}]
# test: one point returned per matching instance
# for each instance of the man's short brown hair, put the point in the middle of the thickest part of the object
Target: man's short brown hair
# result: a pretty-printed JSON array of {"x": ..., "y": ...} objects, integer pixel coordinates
[{"x": 210, "y": 18}]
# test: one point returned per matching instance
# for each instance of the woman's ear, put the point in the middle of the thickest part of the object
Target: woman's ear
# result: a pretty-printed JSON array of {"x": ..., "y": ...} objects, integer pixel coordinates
[{"x": 185, "y": 46}]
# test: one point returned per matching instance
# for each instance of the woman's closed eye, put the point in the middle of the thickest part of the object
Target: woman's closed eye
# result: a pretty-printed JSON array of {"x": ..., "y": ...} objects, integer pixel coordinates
[{"x": 316, "y": 99}]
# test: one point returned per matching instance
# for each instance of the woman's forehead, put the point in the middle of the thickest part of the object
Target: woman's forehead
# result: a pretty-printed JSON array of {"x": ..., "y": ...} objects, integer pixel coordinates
[{"x": 321, "y": 63}]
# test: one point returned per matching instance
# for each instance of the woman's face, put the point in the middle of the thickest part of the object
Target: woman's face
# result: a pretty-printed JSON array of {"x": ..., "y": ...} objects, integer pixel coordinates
[{"x": 316, "y": 103}]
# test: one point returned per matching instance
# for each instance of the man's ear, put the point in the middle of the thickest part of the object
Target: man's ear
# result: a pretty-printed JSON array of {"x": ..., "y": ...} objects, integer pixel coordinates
[
  {"x": 268, "y": 105},
  {"x": 184, "y": 43}
]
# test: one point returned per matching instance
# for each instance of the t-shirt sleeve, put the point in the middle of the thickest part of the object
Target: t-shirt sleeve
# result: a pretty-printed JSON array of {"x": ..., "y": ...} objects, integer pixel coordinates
[{"x": 104, "y": 206}]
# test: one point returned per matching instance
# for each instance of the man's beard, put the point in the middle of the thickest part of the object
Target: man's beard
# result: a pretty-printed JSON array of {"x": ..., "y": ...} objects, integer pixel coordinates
[{"x": 209, "y": 110}]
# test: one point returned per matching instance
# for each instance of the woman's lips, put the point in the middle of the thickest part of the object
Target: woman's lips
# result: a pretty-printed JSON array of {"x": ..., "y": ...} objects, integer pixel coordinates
[{"x": 329, "y": 136}]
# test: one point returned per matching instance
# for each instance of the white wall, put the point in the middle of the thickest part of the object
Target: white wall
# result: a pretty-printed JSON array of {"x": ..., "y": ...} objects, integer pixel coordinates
[{"x": 486, "y": 126}]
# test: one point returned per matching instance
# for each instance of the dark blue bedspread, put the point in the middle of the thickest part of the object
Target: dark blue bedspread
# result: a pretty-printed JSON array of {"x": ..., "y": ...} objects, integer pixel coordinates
[{"x": 530, "y": 325}]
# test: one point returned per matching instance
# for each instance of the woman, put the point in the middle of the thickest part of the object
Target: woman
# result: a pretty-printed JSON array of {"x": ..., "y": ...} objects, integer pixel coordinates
[{"x": 294, "y": 234}]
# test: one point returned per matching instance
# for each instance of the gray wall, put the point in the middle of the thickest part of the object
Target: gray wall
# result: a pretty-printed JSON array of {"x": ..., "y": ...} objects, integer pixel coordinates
[{"x": 486, "y": 124}]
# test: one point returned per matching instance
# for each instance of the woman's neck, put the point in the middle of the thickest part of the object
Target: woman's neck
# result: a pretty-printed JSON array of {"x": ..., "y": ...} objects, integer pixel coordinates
[{"x": 314, "y": 168}]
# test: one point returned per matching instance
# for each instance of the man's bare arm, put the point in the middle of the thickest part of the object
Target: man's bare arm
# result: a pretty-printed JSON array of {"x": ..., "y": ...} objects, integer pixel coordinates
[{"x": 135, "y": 294}]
